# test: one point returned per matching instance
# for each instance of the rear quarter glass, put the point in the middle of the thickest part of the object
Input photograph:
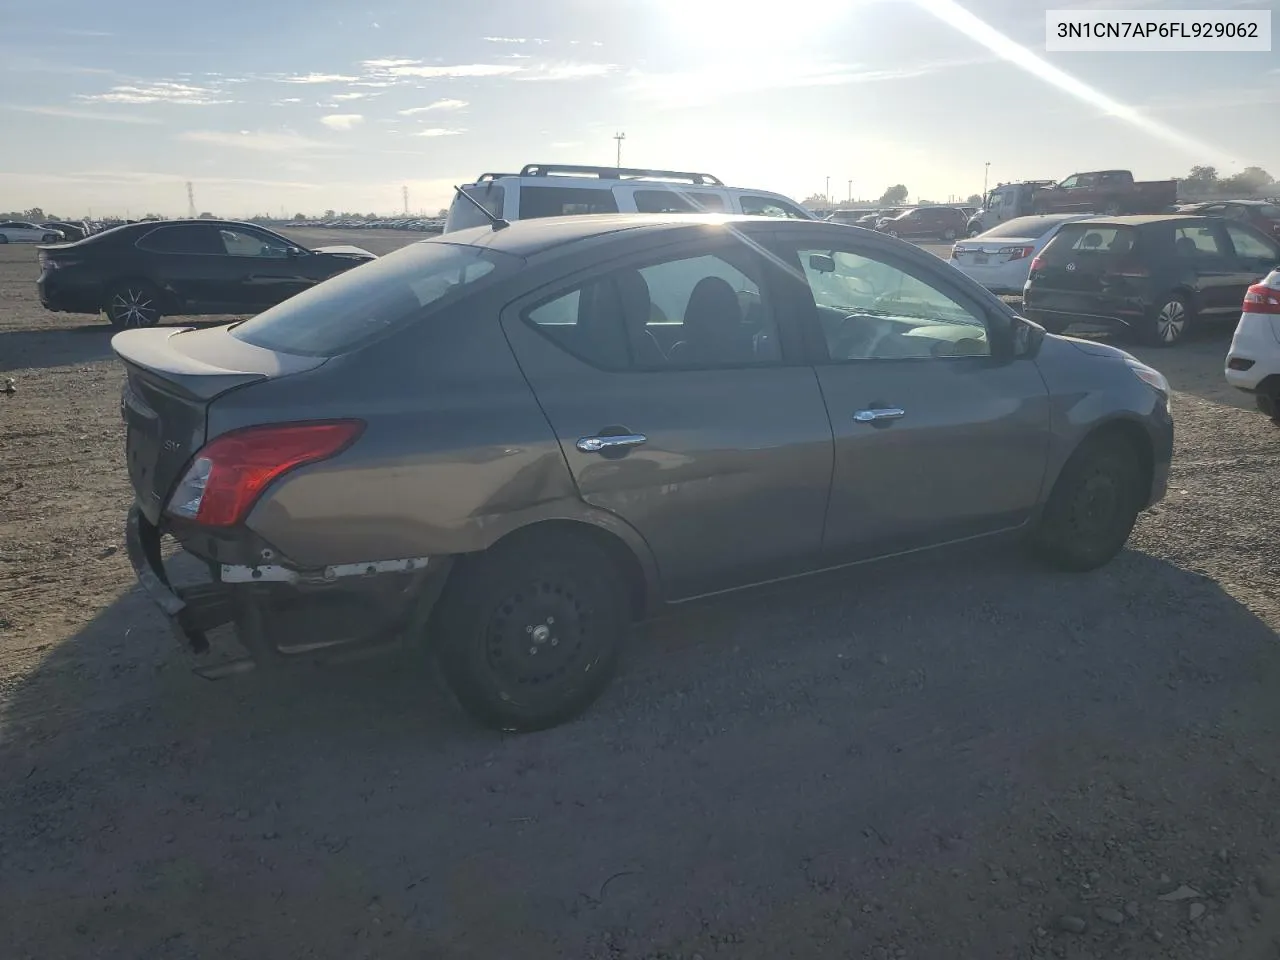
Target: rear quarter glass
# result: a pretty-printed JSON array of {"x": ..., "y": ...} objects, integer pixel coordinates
[{"x": 375, "y": 299}]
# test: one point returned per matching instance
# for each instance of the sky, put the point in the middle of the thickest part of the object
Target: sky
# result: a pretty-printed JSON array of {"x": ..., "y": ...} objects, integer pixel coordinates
[{"x": 292, "y": 106}]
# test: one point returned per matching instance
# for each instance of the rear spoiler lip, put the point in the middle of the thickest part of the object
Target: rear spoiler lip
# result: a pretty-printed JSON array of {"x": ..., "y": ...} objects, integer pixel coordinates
[{"x": 149, "y": 350}]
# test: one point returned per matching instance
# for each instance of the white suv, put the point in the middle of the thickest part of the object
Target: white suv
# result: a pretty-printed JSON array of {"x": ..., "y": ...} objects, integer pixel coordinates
[
  {"x": 1253, "y": 361},
  {"x": 554, "y": 190}
]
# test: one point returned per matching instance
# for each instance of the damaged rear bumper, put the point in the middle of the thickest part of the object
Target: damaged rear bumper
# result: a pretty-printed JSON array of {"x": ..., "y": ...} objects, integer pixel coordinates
[{"x": 253, "y": 598}]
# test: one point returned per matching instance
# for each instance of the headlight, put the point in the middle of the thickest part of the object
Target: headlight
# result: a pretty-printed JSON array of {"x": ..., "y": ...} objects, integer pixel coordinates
[{"x": 1148, "y": 375}]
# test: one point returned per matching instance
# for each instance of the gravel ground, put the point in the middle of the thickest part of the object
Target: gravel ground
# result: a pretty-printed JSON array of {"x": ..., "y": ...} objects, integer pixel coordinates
[{"x": 957, "y": 757}]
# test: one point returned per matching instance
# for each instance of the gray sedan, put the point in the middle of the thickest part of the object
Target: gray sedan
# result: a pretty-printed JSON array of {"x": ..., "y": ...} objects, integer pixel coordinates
[{"x": 510, "y": 443}]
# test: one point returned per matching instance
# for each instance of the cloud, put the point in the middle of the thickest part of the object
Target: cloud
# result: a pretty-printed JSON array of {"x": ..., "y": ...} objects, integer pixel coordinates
[
  {"x": 288, "y": 100},
  {"x": 686, "y": 88},
  {"x": 342, "y": 121},
  {"x": 438, "y": 105},
  {"x": 456, "y": 71},
  {"x": 162, "y": 91},
  {"x": 437, "y": 132},
  {"x": 86, "y": 115},
  {"x": 319, "y": 78},
  {"x": 349, "y": 96},
  {"x": 569, "y": 71},
  {"x": 515, "y": 40},
  {"x": 260, "y": 142},
  {"x": 384, "y": 64}
]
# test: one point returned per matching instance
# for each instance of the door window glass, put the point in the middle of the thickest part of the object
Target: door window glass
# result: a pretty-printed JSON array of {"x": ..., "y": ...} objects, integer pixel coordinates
[
  {"x": 243, "y": 243},
  {"x": 769, "y": 207},
  {"x": 188, "y": 238},
  {"x": 1196, "y": 241},
  {"x": 536, "y": 202},
  {"x": 689, "y": 313},
  {"x": 871, "y": 310},
  {"x": 1247, "y": 245},
  {"x": 672, "y": 201}
]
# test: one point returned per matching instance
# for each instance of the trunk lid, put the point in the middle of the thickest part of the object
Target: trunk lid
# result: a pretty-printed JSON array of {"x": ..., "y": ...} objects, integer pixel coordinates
[
  {"x": 993, "y": 251},
  {"x": 172, "y": 376}
]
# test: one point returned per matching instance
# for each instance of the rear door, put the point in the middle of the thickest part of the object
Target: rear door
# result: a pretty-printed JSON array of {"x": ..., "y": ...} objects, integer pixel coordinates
[
  {"x": 713, "y": 441},
  {"x": 1254, "y": 255},
  {"x": 1201, "y": 248},
  {"x": 940, "y": 434},
  {"x": 188, "y": 260}
]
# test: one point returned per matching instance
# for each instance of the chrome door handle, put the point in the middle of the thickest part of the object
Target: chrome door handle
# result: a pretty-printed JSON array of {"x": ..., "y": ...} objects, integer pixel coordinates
[
  {"x": 599, "y": 444},
  {"x": 879, "y": 413}
]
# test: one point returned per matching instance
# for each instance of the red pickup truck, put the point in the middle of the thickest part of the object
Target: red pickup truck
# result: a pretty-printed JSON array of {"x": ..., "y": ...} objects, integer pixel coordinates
[{"x": 1111, "y": 192}]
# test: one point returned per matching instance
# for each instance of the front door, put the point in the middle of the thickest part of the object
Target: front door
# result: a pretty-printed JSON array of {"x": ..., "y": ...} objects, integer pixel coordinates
[
  {"x": 262, "y": 270},
  {"x": 1255, "y": 255},
  {"x": 683, "y": 408},
  {"x": 940, "y": 433}
]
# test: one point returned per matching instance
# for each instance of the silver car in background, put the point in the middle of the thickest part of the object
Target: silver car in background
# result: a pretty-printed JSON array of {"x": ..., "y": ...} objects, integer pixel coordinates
[{"x": 1000, "y": 258}]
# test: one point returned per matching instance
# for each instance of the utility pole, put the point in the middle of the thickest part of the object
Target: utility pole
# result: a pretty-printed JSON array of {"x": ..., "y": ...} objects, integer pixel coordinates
[
  {"x": 191, "y": 201},
  {"x": 619, "y": 137},
  {"x": 985, "y": 170},
  {"x": 849, "y": 199},
  {"x": 826, "y": 193},
  {"x": 404, "y": 194}
]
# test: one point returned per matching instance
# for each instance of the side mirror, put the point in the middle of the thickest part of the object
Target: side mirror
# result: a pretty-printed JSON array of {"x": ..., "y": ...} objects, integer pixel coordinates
[
  {"x": 822, "y": 263},
  {"x": 1027, "y": 337},
  {"x": 292, "y": 251}
]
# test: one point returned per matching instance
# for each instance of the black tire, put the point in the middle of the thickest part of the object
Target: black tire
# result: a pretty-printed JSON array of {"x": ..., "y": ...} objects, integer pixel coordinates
[
  {"x": 3, "y": 238},
  {"x": 974, "y": 231},
  {"x": 134, "y": 303},
  {"x": 504, "y": 608},
  {"x": 1112, "y": 209},
  {"x": 1268, "y": 404},
  {"x": 948, "y": 235},
  {"x": 1093, "y": 506},
  {"x": 1168, "y": 321}
]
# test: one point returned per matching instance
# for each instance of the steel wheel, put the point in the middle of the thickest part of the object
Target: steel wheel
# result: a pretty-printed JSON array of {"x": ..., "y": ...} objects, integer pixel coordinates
[{"x": 133, "y": 305}]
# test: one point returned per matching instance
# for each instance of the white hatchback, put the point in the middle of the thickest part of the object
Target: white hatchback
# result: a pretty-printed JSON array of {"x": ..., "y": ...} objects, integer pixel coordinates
[
  {"x": 1253, "y": 360},
  {"x": 1000, "y": 258},
  {"x": 19, "y": 231}
]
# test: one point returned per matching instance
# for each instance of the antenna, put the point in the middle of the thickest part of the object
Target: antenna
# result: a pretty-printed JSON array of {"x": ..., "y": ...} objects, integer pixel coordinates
[
  {"x": 497, "y": 222},
  {"x": 619, "y": 137},
  {"x": 191, "y": 201}
]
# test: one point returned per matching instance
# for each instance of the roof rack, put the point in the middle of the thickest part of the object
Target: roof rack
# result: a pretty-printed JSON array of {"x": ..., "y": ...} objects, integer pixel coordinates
[
  {"x": 494, "y": 176},
  {"x": 619, "y": 173}
]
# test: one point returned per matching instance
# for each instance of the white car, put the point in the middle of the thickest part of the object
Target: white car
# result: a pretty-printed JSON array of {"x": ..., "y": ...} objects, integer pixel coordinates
[
  {"x": 1253, "y": 360},
  {"x": 19, "y": 231},
  {"x": 1000, "y": 258},
  {"x": 557, "y": 190}
]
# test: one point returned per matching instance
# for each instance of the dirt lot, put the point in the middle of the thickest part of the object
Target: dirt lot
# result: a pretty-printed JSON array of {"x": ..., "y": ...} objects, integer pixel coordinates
[{"x": 956, "y": 758}]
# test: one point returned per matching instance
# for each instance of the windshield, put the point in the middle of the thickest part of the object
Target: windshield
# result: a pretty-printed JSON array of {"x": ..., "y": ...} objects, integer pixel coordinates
[
  {"x": 371, "y": 300},
  {"x": 1029, "y": 227}
]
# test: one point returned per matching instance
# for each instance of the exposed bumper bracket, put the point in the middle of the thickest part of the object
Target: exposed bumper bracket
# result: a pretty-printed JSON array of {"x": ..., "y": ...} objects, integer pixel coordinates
[{"x": 237, "y": 573}]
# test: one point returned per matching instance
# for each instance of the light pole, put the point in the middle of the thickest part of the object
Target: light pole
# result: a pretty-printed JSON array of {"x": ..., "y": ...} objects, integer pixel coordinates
[
  {"x": 849, "y": 198},
  {"x": 986, "y": 169},
  {"x": 826, "y": 194},
  {"x": 619, "y": 137}
]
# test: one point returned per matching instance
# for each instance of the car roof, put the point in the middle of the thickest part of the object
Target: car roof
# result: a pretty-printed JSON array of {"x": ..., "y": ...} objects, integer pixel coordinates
[{"x": 1138, "y": 220}]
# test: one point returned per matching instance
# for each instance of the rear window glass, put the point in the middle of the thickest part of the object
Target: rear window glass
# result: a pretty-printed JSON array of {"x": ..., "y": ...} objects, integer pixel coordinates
[
  {"x": 1030, "y": 227},
  {"x": 673, "y": 201},
  {"x": 463, "y": 213},
  {"x": 372, "y": 300},
  {"x": 1082, "y": 240},
  {"x": 538, "y": 202}
]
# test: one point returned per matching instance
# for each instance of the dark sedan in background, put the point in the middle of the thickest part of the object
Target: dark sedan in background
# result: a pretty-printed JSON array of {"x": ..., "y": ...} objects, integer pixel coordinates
[
  {"x": 1153, "y": 277},
  {"x": 1261, "y": 214},
  {"x": 925, "y": 223},
  {"x": 140, "y": 272}
]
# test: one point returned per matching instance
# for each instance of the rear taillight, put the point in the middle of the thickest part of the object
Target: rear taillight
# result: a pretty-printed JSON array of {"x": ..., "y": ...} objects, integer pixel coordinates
[
  {"x": 228, "y": 475},
  {"x": 1036, "y": 264},
  {"x": 1016, "y": 253},
  {"x": 1261, "y": 298}
]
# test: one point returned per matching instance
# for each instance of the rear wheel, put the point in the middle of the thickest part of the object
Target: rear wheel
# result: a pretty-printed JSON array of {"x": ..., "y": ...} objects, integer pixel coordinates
[
  {"x": 133, "y": 304},
  {"x": 1168, "y": 321},
  {"x": 1093, "y": 506},
  {"x": 1112, "y": 209},
  {"x": 530, "y": 632},
  {"x": 1269, "y": 404},
  {"x": 948, "y": 234}
]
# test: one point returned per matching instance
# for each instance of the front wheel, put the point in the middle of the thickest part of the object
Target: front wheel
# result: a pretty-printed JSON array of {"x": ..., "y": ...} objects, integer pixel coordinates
[
  {"x": 530, "y": 632},
  {"x": 133, "y": 304},
  {"x": 1092, "y": 508}
]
